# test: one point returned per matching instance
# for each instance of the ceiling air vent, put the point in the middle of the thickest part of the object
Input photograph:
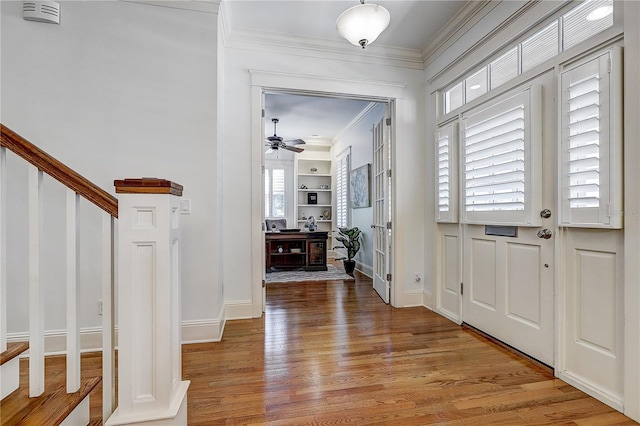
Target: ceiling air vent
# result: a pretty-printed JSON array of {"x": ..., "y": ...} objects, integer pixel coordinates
[{"x": 41, "y": 11}]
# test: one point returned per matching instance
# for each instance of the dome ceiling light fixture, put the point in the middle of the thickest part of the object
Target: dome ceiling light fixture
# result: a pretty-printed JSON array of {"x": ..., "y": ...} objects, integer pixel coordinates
[{"x": 362, "y": 24}]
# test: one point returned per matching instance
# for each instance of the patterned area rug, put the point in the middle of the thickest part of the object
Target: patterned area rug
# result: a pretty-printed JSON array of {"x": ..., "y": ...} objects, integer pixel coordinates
[{"x": 332, "y": 273}]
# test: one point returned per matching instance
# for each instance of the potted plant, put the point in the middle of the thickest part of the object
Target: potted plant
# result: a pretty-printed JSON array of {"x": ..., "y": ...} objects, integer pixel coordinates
[{"x": 350, "y": 239}]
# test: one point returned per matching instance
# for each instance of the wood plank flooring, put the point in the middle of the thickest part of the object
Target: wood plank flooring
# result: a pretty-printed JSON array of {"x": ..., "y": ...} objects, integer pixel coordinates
[{"x": 333, "y": 353}]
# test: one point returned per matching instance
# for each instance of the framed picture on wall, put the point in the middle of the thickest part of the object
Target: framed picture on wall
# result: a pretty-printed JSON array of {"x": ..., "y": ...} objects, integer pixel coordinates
[{"x": 359, "y": 184}]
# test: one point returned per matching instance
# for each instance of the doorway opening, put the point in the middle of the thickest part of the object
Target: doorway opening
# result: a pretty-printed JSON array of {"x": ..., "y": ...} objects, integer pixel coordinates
[{"x": 324, "y": 167}]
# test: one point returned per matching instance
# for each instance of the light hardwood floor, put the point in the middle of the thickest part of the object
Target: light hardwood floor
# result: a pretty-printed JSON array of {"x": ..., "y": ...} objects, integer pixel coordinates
[{"x": 334, "y": 353}]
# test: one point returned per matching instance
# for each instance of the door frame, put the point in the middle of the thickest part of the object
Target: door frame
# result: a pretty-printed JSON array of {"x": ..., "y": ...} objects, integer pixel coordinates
[{"x": 272, "y": 82}]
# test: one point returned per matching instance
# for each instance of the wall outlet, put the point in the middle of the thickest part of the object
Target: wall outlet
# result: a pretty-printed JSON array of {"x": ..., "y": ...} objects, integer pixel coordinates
[{"x": 99, "y": 306}]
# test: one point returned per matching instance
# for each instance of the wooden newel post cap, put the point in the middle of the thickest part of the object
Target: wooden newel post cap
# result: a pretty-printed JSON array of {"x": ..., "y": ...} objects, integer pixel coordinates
[{"x": 147, "y": 186}]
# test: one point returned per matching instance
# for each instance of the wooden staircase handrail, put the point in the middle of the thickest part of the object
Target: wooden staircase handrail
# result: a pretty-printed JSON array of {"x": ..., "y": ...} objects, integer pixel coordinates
[{"x": 57, "y": 170}]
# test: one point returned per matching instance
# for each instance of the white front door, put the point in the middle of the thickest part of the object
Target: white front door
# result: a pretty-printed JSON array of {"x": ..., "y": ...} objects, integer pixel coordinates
[
  {"x": 509, "y": 281},
  {"x": 380, "y": 191}
]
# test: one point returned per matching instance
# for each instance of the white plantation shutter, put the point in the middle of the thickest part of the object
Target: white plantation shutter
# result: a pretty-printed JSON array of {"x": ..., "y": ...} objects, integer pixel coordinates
[
  {"x": 504, "y": 68},
  {"x": 342, "y": 188},
  {"x": 274, "y": 192},
  {"x": 446, "y": 143},
  {"x": 501, "y": 160},
  {"x": 590, "y": 157},
  {"x": 577, "y": 27},
  {"x": 539, "y": 47}
]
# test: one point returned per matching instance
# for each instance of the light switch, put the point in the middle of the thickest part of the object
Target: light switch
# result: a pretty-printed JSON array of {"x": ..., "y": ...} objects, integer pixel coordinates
[{"x": 185, "y": 206}]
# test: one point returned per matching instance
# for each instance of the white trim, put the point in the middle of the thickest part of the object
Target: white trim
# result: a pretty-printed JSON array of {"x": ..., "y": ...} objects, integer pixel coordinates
[
  {"x": 361, "y": 116},
  {"x": 314, "y": 47},
  {"x": 206, "y": 6},
  {"x": 262, "y": 81},
  {"x": 238, "y": 309},
  {"x": 412, "y": 299},
  {"x": 202, "y": 331},
  {"x": 631, "y": 251},
  {"x": 364, "y": 269},
  {"x": 591, "y": 390}
]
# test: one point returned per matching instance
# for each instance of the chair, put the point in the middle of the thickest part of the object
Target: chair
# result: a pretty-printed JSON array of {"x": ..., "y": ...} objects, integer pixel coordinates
[{"x": 273, "y": 224}]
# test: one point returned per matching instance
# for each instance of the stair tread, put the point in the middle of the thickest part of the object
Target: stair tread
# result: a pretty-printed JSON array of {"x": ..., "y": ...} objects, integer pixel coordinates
[
  {"x": 13, "y": 350},
  {"x": 50, "y": 408}
]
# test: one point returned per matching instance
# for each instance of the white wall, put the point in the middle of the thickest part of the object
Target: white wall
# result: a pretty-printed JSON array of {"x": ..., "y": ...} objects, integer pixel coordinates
[
  {"x": 116, "y": 90},
  {"x": 237, "y": 127}
]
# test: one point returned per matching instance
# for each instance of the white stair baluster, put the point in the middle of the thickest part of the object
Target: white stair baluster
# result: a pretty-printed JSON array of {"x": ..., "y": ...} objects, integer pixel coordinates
[
  {"x": 108, "y": 347},
  {"x": 36, "y": 296},
  {"x": 73, "y": 299},
  {"x": 3, "y": 249}
]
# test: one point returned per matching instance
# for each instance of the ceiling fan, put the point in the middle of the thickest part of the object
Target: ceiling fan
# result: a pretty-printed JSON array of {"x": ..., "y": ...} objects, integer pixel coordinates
[{"x": 275, "y": 142}]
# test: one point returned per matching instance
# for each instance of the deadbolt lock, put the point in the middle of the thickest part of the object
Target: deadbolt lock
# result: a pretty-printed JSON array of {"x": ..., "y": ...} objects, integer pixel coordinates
[
  {"x": 546, "y": 213},
  {"x": 545, "y": 233}
]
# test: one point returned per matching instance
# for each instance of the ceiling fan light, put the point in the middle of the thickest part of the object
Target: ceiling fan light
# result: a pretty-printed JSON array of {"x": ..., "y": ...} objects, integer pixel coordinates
[{"x": 362, "y": 24}]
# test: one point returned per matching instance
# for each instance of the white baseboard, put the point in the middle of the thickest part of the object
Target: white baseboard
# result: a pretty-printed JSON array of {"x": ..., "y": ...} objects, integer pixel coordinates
[
  {"x": 55, "y": 341},
  {"x": 365, "y": 269},
  {"x": 238, "y": 309},
  {"x": 195, "y": 331},
  {"x": 202, "y": 331},
  {"x": 412, "y": 299},
  {"x": 591, "y": 390}
]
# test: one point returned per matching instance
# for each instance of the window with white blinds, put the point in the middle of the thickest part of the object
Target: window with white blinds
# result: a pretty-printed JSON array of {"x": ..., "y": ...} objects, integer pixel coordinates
[
  {"x": 504, "y": 68},
  {"x": 446, "y": 173},
  {"x": 539, "y": 47},
  {"x": 501, "y": 161},
  {"x": 586, "y": 20},
  {"x": 342, "y": 189},
  {"x": 577, "y": 25},
  {"x": 274, "y": 193},
  {"x": 590, "y": 158}
]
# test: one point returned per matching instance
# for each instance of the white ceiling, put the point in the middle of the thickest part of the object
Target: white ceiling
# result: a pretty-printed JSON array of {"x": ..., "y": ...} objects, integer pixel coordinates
[
  {"x": 413, "y": 26},
  {"x": 316, "y": 120},
  {"x": 413, "y": 23}
]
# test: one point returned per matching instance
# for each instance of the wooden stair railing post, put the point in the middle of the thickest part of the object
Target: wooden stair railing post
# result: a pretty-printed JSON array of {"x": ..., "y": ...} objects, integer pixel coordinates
[{"x": 150, "y": 386}]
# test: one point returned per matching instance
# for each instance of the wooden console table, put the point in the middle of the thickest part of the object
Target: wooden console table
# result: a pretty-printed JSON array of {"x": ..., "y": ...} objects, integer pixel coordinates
[{"x": 293, "y": 250}]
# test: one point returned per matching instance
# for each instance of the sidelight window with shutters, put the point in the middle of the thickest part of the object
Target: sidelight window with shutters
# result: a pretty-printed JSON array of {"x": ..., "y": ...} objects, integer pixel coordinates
[
  {"x": 446, "y": 148},
  {"x": 591, "y": 146}
]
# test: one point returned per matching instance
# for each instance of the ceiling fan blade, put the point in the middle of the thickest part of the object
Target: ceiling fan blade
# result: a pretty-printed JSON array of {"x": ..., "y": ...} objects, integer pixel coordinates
[
  {"x": 295, "y": 142},
  {"x": 292, "y": 148}
]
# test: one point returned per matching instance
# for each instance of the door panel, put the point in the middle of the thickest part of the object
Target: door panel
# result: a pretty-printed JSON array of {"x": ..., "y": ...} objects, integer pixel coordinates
[
  {"x": 448, "y": 280},
  {"x": 593, "y": 343},
  {"x": 380, "y": 212},
  {"x": 511, "y": 288},
  {"x": 523, "y": 285},
  {"x": 483, "y": 273}
]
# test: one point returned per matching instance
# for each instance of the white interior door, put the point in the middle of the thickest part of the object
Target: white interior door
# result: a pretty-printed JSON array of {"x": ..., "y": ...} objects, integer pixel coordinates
[
  {"x": 508, "y": 281},
  {"x": 380, "y": 210}
]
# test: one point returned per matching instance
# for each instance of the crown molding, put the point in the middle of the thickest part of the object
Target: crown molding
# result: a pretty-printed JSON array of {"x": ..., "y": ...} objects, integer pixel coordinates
[
  {"x": 375, "y": 54},
  {"x": 366, "y": 110},
  {"x": 206, "y": 6},
  {"x": 466, "y": 17},
  {"x": 519, "y": 22}
]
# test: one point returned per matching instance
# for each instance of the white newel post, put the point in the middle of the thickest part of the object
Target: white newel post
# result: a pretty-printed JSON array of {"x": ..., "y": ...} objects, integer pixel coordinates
[{"x": 150, "y": 386}]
